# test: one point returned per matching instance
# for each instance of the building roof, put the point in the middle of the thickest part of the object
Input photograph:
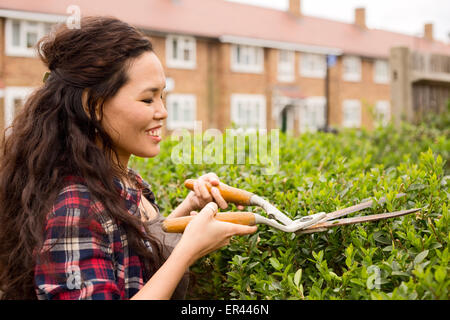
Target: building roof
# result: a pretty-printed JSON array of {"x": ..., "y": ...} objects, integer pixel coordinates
[{"x": 219, "y": 18}]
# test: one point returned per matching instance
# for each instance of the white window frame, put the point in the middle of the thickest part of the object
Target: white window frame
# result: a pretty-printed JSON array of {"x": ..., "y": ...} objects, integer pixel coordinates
[
  {"x": 252, "y": 59},
  {"x": 382, "y": 112},
  {"x": 351, "y": 113},
  {"x": 185, "y": 101},
  {"x": 286, "y": 66},
  {"x": 248, "y": 101},
  {"x": 25, "y": 26},
  {"x": 381, "y": 71},
  {"x": 352, "y": 68},
  {"x": 312, "y": 114},
  {"x": 183, "y": 43},
  {"x": 11, "y": 94},
  {"x": 313, "y": 65}
]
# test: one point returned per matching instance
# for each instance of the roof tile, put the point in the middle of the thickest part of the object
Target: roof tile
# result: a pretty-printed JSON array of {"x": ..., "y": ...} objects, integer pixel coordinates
[{"x": 215, "y": 18}]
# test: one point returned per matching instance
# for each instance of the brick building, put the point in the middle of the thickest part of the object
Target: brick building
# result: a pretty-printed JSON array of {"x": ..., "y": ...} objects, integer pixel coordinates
[{"x": 230, "y": 63}]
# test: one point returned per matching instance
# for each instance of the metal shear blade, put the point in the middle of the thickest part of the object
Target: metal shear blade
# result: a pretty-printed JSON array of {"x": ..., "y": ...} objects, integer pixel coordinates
[
  {"x": 326, "y": 224},
  {"x": 321, "y": 221}
]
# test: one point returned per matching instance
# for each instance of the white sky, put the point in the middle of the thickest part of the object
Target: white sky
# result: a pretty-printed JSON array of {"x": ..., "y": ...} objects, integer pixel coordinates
[{"x": 405, "y": 16}]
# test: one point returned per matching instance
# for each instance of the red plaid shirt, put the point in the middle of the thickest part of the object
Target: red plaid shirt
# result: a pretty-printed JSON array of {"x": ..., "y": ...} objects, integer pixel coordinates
[{"x": 90, "y": 261}]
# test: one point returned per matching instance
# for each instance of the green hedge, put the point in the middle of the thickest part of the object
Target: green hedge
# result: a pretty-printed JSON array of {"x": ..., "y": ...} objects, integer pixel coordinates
[{"x": 402, "y": 258}]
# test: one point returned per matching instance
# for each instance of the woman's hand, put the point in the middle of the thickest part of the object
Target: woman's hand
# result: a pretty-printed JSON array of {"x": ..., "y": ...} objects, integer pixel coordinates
[
  {"x": 202, "y": 235},
  {"x": 205, "y": 234},
  {"x": 198, "y": 198}
]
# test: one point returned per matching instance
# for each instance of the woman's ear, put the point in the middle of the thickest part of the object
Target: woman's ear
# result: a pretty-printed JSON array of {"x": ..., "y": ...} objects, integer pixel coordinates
[
  {"x": 84, "y": 98},
  {"x": 84, "y": 102}
]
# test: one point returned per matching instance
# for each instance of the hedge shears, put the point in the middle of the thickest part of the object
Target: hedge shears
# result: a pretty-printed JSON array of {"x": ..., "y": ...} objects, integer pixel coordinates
[{"x": 318, "y": 222}]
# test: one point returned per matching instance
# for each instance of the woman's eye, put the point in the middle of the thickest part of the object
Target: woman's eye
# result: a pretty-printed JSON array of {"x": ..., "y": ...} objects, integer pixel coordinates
[{"x": 148, "y": 101}]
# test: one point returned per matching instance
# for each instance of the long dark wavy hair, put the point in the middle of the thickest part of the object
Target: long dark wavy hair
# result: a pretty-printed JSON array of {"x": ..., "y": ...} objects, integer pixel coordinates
[{"x": 54, "y": 136}]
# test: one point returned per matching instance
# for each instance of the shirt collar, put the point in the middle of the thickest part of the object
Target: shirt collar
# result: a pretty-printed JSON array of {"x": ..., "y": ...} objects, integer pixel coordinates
[{"x": 132, "y": 196}]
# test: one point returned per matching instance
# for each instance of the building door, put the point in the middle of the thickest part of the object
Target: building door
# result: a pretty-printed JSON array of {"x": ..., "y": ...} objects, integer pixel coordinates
[{"x": 287, "y": 119}]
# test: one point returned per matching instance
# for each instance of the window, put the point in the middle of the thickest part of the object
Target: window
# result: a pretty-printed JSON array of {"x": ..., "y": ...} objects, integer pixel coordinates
[
  {"x": 312, "y": 114},
  {"x": 247, "y": 59},
  {"x": 381, "y": 71},
  {"x": 352, "y": 68},
  {"x": 248, "y": 111},
  {"x": 181, "y": 109},
  {"x": 351, "y": 114},
  {"x": 286, "y": 66},
  {"x": 382, "y": 113},
  {"x": 181, "y": 52},
  {"x": 313, "y": 65},
  {"x": 14, "y": 100},
  {"x": 21, "y": 36}
]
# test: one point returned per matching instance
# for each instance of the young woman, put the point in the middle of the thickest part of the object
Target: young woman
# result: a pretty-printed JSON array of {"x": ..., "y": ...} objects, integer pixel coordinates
[{"x": 75, "y": 221}]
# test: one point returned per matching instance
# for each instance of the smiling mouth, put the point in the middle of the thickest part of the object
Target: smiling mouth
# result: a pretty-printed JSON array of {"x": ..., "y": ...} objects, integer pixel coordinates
[{"x": 154, "y": 132}]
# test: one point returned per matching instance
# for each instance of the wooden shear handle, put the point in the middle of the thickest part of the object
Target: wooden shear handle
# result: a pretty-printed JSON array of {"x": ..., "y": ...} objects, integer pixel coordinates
[
  {"x": 177, "y": 225},
  {"x": 230, "y": 194}
]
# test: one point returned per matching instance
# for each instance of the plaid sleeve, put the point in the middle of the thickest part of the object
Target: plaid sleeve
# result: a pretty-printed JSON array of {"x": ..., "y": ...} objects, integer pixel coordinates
[{"x": 76, "y": 258}]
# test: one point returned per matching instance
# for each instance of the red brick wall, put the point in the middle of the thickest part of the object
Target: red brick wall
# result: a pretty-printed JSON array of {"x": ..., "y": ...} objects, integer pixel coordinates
[
  {"x": 367, "y": 91},
  {"x": 189, "y": 81},
  {"x": 213, "y": 82}
]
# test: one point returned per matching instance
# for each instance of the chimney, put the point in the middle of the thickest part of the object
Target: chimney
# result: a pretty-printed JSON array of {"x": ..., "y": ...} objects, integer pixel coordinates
[
  {"x": 428, "y": 32},
  {"x": 295, "y": 8},
  {"x": 360, "y": 18}
]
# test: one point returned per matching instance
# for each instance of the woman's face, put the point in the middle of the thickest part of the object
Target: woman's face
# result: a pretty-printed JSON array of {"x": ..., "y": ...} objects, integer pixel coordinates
[{"x": 133, "y": 117}]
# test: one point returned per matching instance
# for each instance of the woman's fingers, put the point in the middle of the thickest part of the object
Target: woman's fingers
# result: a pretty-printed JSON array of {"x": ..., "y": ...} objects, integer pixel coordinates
[
  {"x": 200, "y": 194},
  {"x": 203, "y": 195},
  {"x": 194, "y": 200},
  {"x": 205, "y": 234},
  {"x": 196, "y": 190},
  {"x": 235, "y": 229},
  {"x": 232, "y": 228},
  {"x": 209, "y": 210},
  {"x": 242, "y": 230},
  {"x": 203, "y": 190},
  {"x": 218, "y": 198},
  {"x": 212, "y": 178}
]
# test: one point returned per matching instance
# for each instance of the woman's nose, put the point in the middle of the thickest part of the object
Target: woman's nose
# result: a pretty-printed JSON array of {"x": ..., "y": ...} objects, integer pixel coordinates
[{"x": 161, "y": 111}]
